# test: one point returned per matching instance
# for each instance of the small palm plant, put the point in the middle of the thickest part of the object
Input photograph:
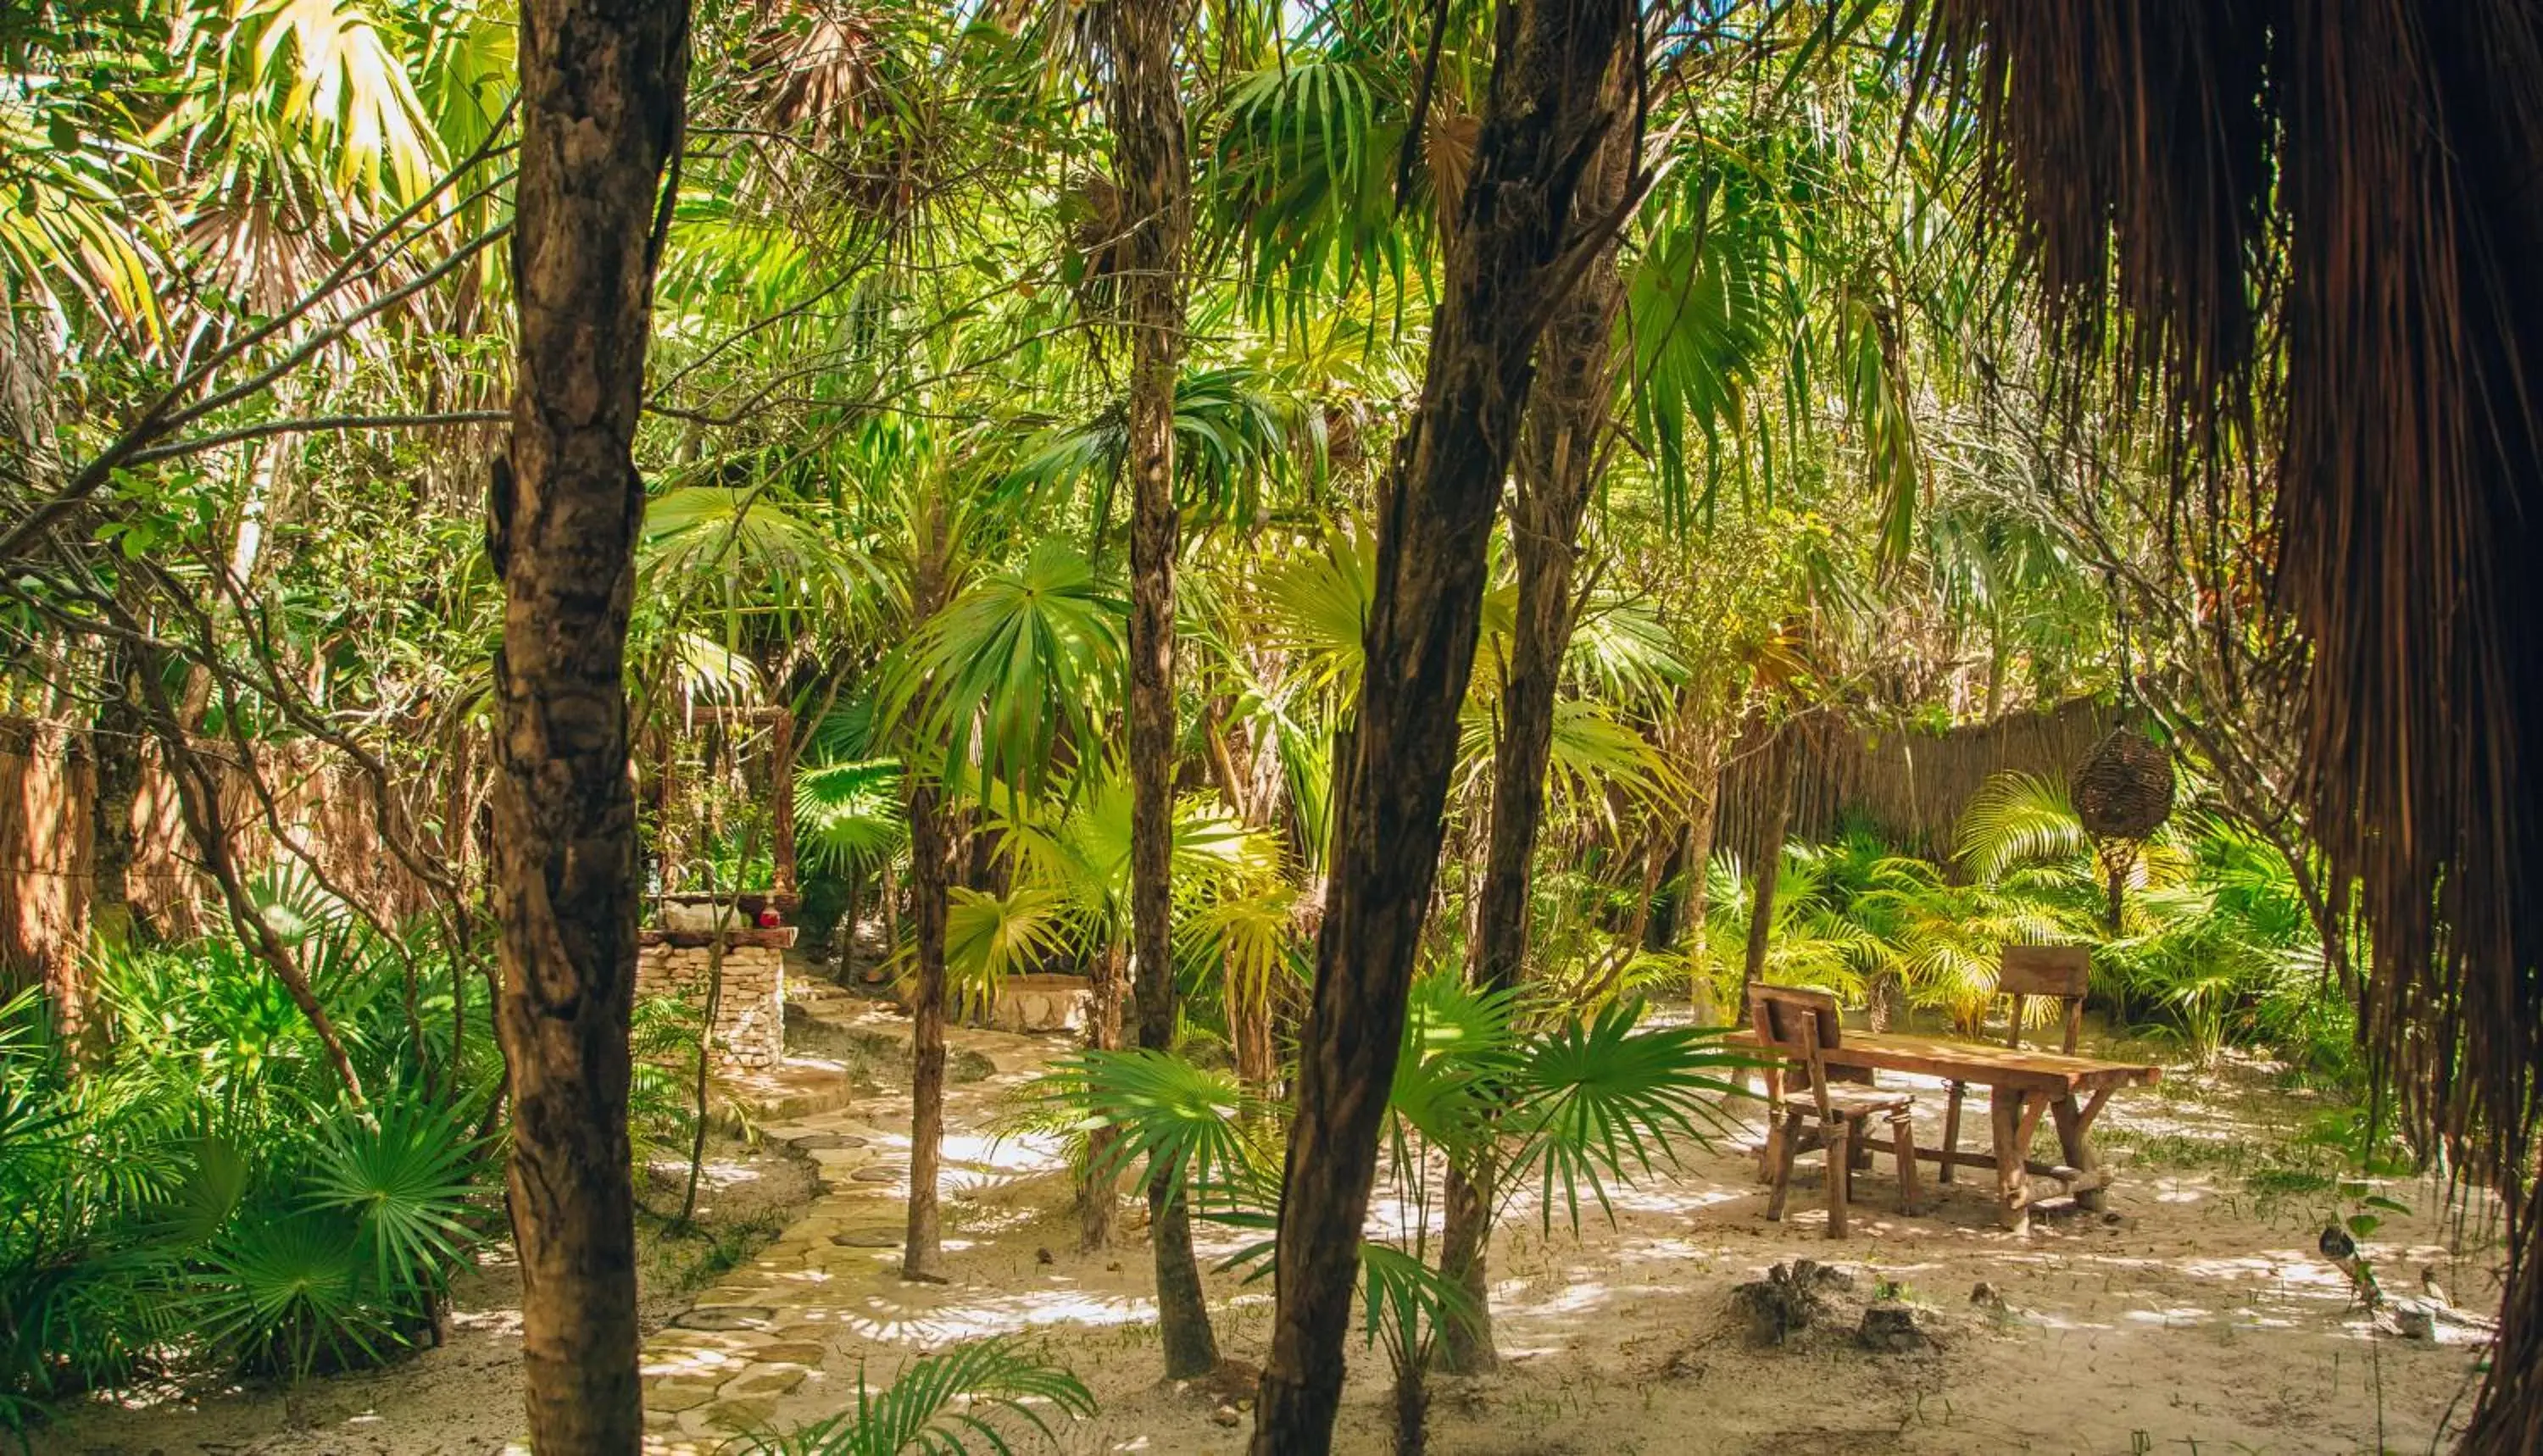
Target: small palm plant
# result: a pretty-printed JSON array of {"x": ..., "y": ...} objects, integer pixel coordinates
[
  {"x": 970, "y": 1398},
  {"x": 1561, "y": 1105}
]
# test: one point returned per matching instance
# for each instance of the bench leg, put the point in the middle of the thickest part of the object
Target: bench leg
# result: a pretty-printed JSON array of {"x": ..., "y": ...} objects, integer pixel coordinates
[
  {"x": 1840, "y": 1172},
  {"x": 1770, "y": 1154},
  {"x": 1951, "y": 1129},
  {"x": 1903, "y": 1136}
]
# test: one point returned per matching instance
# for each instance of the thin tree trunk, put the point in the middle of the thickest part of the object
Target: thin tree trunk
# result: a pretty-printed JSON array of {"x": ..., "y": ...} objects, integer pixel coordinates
[
  {"x": 602, "y": 113},
  {"x": 1699, "y": 858},
  {"x": 115, "y": 750},
  {"x": 720, "y": 910},
  {"x": 1657, "y": 853},
  {"x": 1249, "y": 1006},
  {"x": 1099, "y": 1189},
  {"x": 1558, "y": 465},
  {"x": 1542, "y": 121},
  {"x": 932, "y": 847},
  {"x": 1153, "y": 176},
  {"x": 1770, "y": 864},
  {"x": 931, "y": 872},
  {"x": 890, "y": 895}
]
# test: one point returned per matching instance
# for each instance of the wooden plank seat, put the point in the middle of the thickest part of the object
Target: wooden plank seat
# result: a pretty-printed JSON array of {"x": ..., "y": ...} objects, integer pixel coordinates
[{"x": 1809, "y": 1113}]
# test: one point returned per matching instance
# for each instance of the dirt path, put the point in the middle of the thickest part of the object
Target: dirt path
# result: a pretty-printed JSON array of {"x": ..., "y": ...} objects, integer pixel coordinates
[
  {"x": 2197, "y": 1316},
  {"x": 786, "y": 1334}
]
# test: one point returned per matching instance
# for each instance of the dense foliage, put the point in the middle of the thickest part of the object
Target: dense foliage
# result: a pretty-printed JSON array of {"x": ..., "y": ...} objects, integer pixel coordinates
[{"x": 255, "y": 317}]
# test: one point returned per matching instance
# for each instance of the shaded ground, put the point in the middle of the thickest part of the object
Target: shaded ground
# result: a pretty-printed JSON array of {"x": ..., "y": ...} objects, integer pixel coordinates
[{"x": 2199, "y": 1316}]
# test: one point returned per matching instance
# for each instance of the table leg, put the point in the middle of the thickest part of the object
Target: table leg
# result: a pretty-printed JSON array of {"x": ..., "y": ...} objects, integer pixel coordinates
[
  {"x": 1840, "y": 1172},
  {"x": 2004, "y": 1107},
  {"x": 2028, "y": 1111},
  {"x": 2075, "y": 1144},
  {"x": 1951, "y": 1129}
]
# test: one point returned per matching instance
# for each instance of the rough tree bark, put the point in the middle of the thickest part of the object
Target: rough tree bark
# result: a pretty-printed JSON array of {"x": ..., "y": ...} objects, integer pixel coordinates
[
  {"x": 603, "y": 87},
  {"x": 1558, "y": 463},
  {"x": 1153, "y": 175},
  {"x": 1543, "y": 118}
]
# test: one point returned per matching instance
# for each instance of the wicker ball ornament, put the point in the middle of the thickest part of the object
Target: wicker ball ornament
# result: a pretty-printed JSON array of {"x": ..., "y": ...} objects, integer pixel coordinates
[{"x": 2124, "y": 787}]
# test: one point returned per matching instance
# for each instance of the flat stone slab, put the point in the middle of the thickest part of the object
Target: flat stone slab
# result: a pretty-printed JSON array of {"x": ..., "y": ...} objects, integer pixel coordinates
[
  {"x": 879, "y": 1172},
  {"x": 742, "y": 1414},
  {"x": 866, "y": 1239},
  {"x": 770, "y": 1382},
  {"x": 810, "y": 1352},
  {"x": 674, "y": 1396},
  {"x": 727, "y": 1317},
  {"x": 812, "y": 1141}
]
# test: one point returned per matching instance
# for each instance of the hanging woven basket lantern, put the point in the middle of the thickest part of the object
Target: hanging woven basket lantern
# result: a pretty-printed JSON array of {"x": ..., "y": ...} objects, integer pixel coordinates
[{"x": 2124, "y": 787}]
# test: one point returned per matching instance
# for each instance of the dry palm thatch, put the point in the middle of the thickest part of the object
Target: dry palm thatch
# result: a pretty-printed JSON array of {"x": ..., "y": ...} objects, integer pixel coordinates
[{"x": 2315, "y": 223}]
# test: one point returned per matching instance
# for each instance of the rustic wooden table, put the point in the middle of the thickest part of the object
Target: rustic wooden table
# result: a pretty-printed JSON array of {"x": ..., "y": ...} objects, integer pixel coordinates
[{"x": 2021, "y": 1087}]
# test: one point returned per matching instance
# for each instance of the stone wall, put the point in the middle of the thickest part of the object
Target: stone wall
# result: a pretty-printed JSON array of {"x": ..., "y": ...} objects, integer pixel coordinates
[{"x": 751, "y": 1014}]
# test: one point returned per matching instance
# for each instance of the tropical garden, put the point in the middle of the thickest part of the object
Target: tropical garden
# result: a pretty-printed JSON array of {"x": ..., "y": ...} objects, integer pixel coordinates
[{"x": 599, "y": 601}]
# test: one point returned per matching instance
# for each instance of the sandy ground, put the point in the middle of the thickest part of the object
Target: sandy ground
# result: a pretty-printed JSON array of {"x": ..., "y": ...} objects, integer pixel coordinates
[
  {"x": 463, "y": 1396},
  {"x": 2195, "y": 1317}
]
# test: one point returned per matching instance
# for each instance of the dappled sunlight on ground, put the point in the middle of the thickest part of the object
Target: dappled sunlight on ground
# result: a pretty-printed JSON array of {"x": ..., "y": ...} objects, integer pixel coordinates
[{"x": 2196, "y": 1312}]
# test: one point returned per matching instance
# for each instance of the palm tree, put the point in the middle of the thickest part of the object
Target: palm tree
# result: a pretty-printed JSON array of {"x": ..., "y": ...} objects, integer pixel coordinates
[
  {"x": 995, "y": 682},
  {"x": 1539, "y": 125},
  {"x": 1561, "y": 447}
]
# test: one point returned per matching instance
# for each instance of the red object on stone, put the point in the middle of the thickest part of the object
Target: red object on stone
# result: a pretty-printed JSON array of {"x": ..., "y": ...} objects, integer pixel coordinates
[{"x": 769, "y": 918}]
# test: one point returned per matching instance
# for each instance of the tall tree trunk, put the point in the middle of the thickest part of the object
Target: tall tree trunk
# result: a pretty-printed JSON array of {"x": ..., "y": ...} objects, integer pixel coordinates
[
  {"x": 1556, "y": 466},
  {"x": 603, "y": 87},
  {"x": 1770, "y": 864},
  {"x": 1153, "y": 176},
  {"x": 931, "y": 874},
  {"x": 1543, "y": 120}
]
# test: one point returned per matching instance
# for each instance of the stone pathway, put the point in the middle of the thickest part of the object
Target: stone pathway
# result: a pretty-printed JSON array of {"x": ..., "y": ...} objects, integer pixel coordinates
[{"x": 783, "y": 1337}]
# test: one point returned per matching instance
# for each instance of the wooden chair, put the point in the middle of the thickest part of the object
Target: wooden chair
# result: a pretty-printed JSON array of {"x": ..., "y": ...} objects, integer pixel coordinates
[
  {"x": 2064, "y": 972},
  {"x": 1809, "y": 1112}
]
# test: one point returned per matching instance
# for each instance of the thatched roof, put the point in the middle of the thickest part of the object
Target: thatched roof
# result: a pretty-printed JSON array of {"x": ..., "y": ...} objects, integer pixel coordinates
[{"x": 2319, "y": 225}]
